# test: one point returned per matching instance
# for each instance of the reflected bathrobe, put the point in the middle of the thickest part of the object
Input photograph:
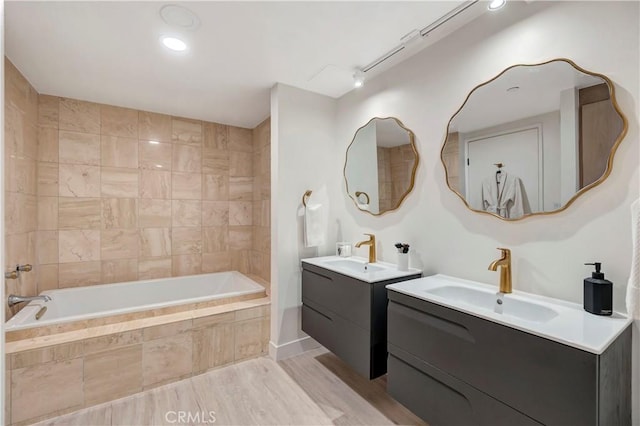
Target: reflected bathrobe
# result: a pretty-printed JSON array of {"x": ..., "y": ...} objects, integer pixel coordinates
[{"x": 505, "y": 199}]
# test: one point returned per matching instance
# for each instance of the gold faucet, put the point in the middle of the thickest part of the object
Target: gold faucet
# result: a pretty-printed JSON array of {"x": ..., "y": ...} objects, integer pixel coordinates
[
  {"x": 505, "y": 271},
  {"x": 371, "y": 242}
]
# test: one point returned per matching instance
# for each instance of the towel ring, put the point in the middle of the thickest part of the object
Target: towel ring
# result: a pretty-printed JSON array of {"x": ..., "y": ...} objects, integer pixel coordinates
[
  {"x": 305, "y": 197},
  {"x": 359, "y": 193}
]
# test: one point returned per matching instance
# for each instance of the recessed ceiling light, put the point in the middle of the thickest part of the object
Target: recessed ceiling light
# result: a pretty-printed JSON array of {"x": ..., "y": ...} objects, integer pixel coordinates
[
  {"x": 154, "y": 142},
  {"x": 173, "y": 43},
  {"x": 179, "y": 16},
  {"x": 496, "y": 4},
  {"x": 159, "y": 166}
]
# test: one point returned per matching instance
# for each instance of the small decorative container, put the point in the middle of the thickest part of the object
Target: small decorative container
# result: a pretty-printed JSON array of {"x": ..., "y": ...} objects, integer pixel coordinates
[
  {"x": 343, "y": 249},
  {"x": 403, "y": 261}
]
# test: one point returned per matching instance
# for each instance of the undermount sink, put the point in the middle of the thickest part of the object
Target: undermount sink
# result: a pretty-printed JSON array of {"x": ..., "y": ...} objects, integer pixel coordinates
[
  {"x": 503, "y": 304},
  {"x": 360, "y": 268}
]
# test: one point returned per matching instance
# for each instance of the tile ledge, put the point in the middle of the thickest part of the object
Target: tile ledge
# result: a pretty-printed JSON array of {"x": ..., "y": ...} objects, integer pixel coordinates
[{"x": 72, "y": 336}]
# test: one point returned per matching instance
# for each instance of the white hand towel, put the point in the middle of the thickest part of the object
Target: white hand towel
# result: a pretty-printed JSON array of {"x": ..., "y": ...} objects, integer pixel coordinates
[
  {"x": 314, "y": 233},
  {"x": 633, "y": 287}
]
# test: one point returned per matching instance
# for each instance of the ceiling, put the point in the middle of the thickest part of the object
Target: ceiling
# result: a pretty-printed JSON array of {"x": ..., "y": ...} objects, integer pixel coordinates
[{"x": 109, "y": 52}]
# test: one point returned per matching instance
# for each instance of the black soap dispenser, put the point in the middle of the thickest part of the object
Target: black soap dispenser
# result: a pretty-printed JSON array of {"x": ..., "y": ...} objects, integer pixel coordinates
[{"x": 598, "y": 293}]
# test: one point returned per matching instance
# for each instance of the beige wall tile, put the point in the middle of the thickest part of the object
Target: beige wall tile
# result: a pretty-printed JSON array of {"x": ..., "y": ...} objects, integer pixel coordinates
[
  {"x": 186, "y": 213},
  {"x": 157, "y": 267},
  {"x": 47, "y": 277},
  {"x": 240, "y": 189},
  {"x": 262, "y": 239},
  {"x": 240, "y": 260},
  {"x": 262, "y": 213},
  {"x": 186, "y": 241},
  {"x": 119, "y": 152},
  {"x": 185, "y": 131},
  {"x": 79, "y": 213},
  {"x": 79, "y": 180},
  {"x": 79, "y": 246},
  {"x": 240, "y": 237},
  {"x": 79, "y": 274},
  {"x": 251, "y": 313},
  {"x": 215, "y": 239},
  {"x": 16, "y": 130},
  {"x": 36, "y": 391},
  {"x": 240, "y": 213},
  {"x": 211, "y": 320},
  {"x": 216, "y": 136},
  {"x": 112, "y": 341},
  {"x": 48, "y": 111},
  {"x": 187, "y": 158},
  {"x": 155, "y": 242},
  {"x": 240, "y": 139},
  {"x": 119, "y": 213},
  {"x": 155, "y": 127},
  {"x": 48, "y": 179},
  {"x": 79, "y": 148},
  {"x": 47, "y": 243},
  {"x": 166, "y": 358},
  {"x": 154, "y": 213},
  {"x": 79, "y": 116},
  {"x": 116, "y": 121},
  {"x": 119, "y": 244},
  {"x": 212, "y": 347},
  {"x": 216, "y": 262},
  {"x": 20, "y": 175},
  {"x": 119, "y": 182},
  {"x": 112, "y": 374},
  {"x": 215, "y": 213},
  {"x": 166, "y": 330},
  {"x": 215, "y": 161},
  {"x": 248, "y": 339},
  {"x": 186, "y": 186},
  {"x": 155, "y": 184},
  {"x": 215, "y": 187},
  {"x": 155, "y": 155},
  {"x": 20, "y": 213},
  {"x": 186, "y": 264},
  {"x": 48, "y": 144},
  {"x": 33, "y": 357},
  {"x": 118, "y": 271},
  {"x": 240, "y": 164}
]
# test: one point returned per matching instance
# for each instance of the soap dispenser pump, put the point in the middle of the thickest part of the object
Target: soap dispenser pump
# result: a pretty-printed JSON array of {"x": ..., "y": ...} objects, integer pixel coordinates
[{"x": 598, "y": 292}]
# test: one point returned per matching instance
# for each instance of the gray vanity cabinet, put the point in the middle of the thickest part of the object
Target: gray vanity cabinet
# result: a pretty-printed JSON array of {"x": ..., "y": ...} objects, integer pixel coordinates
[
  {"x": 348, "y": 317},
  {"x": 452, "y": 368}
]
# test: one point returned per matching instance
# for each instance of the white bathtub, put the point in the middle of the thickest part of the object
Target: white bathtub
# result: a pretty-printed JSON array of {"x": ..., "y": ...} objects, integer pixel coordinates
[{"x": 83, "y": 303}]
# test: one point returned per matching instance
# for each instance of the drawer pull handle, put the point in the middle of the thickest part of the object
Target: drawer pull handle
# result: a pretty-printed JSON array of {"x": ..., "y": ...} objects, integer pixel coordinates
[
  {"x": 433, "y": 321},
  {"x": 319, "y": 313}
]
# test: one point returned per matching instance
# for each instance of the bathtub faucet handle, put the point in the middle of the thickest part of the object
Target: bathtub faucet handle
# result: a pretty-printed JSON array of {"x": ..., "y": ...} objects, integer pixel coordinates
[
  {"x": 11, "y": 275},
  {"x": 24, "y": 268}
]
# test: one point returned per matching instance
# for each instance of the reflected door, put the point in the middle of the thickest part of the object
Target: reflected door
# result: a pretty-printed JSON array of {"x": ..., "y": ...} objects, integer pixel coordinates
[{"x": 520, "y": 153}]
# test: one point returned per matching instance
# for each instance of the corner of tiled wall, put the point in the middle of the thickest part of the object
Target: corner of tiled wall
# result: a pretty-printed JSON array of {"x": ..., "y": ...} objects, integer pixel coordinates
[{"x": 98, "y": 194}]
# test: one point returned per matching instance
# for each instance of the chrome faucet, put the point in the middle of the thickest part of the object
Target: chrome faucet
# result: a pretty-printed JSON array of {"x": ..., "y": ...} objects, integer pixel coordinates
[
  {"x": 505, "y": 272},
  {"x": 14, "y": 300},
  {"x": 371, "y": 242}
]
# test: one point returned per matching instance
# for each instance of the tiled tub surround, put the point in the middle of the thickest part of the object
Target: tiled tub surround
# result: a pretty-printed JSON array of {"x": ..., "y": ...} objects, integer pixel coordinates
[
  {"x": 99, "y": 194},
  {"x": 59, "y": 373},
  {"x": 81, "y": 307}
]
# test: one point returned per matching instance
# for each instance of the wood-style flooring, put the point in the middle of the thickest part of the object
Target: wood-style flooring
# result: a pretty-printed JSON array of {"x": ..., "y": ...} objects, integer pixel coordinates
[{"x": 314, "y": 388}]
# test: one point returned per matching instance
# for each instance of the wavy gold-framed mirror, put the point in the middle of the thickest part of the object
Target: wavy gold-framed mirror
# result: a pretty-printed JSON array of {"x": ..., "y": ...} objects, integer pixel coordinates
[
  {"x": 533, "y": 139},
  {"x": 380, "y": 165}
]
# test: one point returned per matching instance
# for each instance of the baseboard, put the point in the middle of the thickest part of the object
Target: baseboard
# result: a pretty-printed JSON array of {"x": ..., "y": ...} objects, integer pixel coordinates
[{"x": 293, "y": 348}]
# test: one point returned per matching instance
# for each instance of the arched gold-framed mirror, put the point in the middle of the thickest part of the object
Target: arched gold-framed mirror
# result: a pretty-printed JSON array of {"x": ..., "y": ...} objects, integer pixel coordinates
[
  {"x": 532, "y": 139},
  {"x": 380, "y": 165}
]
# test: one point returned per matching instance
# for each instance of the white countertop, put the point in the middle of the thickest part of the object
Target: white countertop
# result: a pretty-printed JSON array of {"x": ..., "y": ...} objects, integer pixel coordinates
[
  {"x": 572, "y": 326},
  {"x": 387, "y": 271}
]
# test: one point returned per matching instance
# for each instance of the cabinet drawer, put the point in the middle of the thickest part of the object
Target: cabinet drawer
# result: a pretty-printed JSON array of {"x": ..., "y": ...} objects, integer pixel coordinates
[
  {"x": 349, "y": 342},
  {"x": 550, "y": 382},
  {"x": 345, "y": 296},
  {"x": 441, "y": 400}
]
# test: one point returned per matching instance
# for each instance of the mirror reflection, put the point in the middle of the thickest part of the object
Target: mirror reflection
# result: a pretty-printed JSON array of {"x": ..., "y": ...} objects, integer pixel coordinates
[
  {"x": 532, "y": 139},
  {"x": 380, "y": 167}
]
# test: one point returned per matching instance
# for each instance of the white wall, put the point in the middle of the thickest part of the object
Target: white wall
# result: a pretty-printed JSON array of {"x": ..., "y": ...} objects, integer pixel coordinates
[
  {"x": 302, "y": 147},
  {"x": 424, "y": 91}
]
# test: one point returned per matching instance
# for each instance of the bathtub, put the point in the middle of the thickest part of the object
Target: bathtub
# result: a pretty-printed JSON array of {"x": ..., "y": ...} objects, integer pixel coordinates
[
  {"x": 115, "y": 302},
  {"x": 162, "y": 330}
]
